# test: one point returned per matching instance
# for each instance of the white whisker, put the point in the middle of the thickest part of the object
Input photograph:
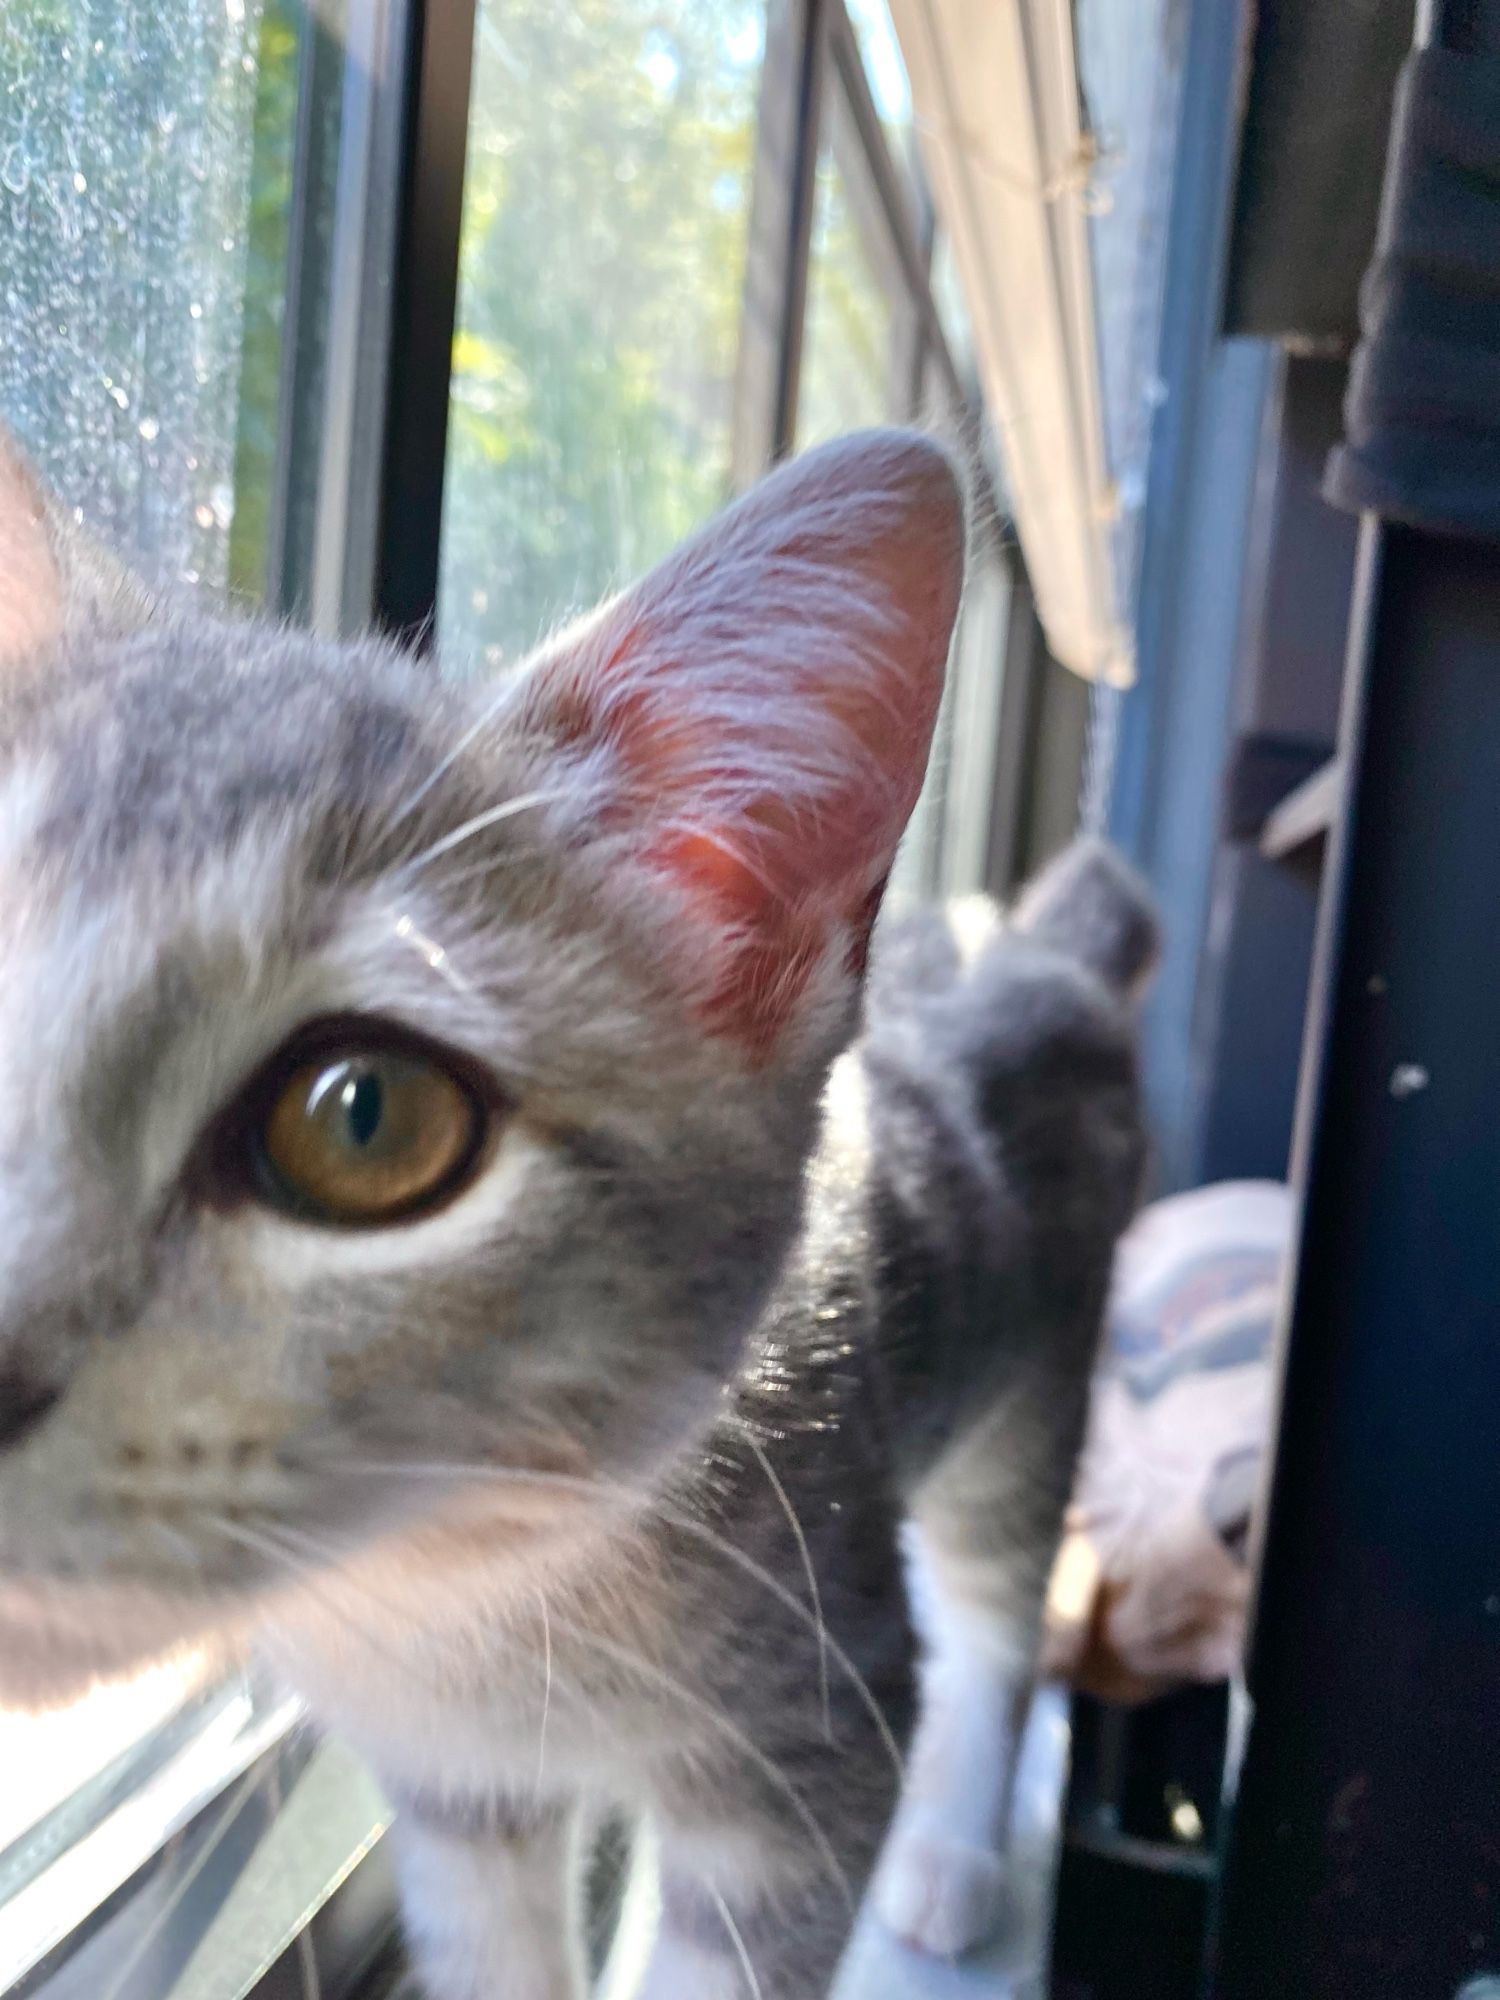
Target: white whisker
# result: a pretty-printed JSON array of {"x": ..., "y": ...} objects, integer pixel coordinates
[
  {"x": 634, "y": 1662},
  {"x": 450, "y": 757},
  {"x": 624, "y": 1656},
  {"x": 326, "y": 1574},
  {"x": 726, "y": 1917},
  {"x": 676, "y": 1517},
  {"x": 807, "y": 1564},
  {"x": 480, "y": 823},
  {"x": 482, "y": 871}
]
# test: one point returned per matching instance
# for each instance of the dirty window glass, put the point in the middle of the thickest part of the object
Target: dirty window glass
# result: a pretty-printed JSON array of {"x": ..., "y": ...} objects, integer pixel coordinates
[
  {"x": 145, "y": 161},
  {"x": 130, "y": 138},
  {"x": 885, "y": 69},
  {"x": 605, "y": 219},
  {"x": 857, "y": 343}
]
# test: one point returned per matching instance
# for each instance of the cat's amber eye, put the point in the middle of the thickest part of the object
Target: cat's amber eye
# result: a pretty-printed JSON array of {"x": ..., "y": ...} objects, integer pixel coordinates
[{"x": 369, "y": 1135}]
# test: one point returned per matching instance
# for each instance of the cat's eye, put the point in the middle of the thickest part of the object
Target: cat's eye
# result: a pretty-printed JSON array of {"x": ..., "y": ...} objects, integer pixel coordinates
[{"x": 361, "y": 1136}]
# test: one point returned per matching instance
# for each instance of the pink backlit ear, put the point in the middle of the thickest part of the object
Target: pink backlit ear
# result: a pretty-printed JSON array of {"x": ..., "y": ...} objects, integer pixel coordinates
[
  {"x": 54, "y": 580},
  {"x": 31, "y": 591},
  {"x": 760, "y": 710}
]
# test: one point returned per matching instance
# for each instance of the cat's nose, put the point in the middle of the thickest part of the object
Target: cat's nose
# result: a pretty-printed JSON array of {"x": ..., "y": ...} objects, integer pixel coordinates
[{"x": 23, "y": 1403}]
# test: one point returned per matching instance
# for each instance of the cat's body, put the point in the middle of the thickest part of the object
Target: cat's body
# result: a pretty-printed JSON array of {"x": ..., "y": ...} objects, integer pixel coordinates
[
  {"x": 578, "y": 1483},
  {"x": 926, "y": 1352}
]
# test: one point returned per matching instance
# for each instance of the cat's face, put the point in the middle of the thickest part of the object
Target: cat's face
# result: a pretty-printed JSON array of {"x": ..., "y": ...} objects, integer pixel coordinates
[{"x": 397, "y": 1079}]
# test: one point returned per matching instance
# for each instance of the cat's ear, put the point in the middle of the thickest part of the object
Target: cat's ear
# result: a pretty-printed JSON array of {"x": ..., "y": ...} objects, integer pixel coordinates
[
  {"x": 52, "y": 577},
  {"x": 31, "y": 591},
  {"x": 756, "y": 715}
]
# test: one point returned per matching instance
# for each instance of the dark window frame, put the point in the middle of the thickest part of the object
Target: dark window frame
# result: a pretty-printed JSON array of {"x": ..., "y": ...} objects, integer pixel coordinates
[{"x": 811, "y": 44}]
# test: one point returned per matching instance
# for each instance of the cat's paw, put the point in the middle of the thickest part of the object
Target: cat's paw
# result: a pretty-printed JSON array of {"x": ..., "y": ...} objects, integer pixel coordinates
[{"x": 938, "y": 1893}]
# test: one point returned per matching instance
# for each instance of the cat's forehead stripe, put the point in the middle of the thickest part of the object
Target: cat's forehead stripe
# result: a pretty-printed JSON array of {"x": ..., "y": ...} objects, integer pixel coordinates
[{"x": 185, "y": 739}]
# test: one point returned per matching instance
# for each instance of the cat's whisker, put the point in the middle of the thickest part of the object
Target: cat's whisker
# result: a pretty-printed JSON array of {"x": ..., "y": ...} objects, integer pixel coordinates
[
  {"x": 481, "y": 871},
  {"x": 450, "y": 757},
  {"x": 637, "y": 1663},
  {"x": 632, "y": 1662},
  {"x": 738, "y": 851},
  {"x": 480, "y": 823},
  {"x": 663, "y": 1510},
  {"x": 774, "y": 1482},
  {"x": 322, "y": 1568},
  {"x": 726, "y": 1917},
  {"x": 330, "y": 1581}
]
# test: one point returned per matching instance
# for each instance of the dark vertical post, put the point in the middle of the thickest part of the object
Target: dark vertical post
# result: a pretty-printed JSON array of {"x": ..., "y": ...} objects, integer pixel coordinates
[
  {"x": 424, "y": 304},
  {"x": 784, "y": 187},
  {"x": 1026, "y": 663},
  {"x": 1365, "y": 1852},
  {"x": 801, "y": 197},
  {"x": 292, "y": 528}
]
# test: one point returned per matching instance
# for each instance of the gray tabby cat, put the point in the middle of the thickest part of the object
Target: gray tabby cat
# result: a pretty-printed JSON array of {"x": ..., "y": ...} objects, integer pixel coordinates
[{"x": 448, "y": 1231}]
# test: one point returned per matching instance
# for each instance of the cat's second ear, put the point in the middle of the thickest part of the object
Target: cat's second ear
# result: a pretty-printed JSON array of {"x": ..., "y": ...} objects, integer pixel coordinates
[
  {"x": 31, "y": 591},
  {"x": 52, "y": 577},
  {"x": 756, "y": 716}
]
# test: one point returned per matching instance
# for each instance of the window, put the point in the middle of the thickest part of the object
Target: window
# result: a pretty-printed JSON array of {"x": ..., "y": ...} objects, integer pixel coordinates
[
  {"x": 953, "y": 311},
  {"x": 132, "y": 221},
  {"x": 947, "y": 848},
  {"x": 858, "y": 342},
  {"x": 885, "y": 70},
  {"x": 602, "y": 275}
]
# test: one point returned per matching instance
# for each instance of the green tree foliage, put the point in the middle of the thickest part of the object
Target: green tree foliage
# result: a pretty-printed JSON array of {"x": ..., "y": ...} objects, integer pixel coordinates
[
  {"x": 146, "y": 166},
  {"x": 267, "y": 233},
  {"x": 847, "y": 342},
  {"x": 603, "y": 276}
]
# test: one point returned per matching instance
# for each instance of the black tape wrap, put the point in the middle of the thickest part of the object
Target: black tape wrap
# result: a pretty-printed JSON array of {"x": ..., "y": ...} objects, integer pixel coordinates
[{"x": 1422, "y": 413}]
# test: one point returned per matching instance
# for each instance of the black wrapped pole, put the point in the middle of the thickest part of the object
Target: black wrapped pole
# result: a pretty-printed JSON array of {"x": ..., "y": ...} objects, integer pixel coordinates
[{"x": 1364, "y": 1860}]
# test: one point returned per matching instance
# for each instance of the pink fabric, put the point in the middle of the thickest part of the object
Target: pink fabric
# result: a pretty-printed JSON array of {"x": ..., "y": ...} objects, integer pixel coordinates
[{"x": 1151, "y": 1585}]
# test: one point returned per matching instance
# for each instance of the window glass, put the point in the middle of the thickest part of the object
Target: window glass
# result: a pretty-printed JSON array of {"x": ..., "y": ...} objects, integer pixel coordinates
[
  {"x": 856, "y": 342},
  {"x": 976, "y": 673},
  {"x": 953, "y": 311},
  {"x": 127, "y": 148},
  {"x": 144, "y": 165},
  {"x": 885, "y": 67},
  {"x": 946, "y": 848},
  {"x": 602, "y": 277}
]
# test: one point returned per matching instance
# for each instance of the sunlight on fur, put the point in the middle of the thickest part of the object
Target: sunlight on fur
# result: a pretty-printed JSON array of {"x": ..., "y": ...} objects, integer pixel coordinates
[{"x": 499, "y": 1229}]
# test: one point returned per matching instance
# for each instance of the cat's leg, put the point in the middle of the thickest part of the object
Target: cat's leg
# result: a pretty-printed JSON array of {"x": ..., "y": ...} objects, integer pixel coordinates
[
  {"x": 490, "y": 1903},
  {"x": 979, "y": 1546},
  {"x": 941, "y": 1883},
  {"x": 760, "y": 1883},
  {"x": 740, "y": 1924}
]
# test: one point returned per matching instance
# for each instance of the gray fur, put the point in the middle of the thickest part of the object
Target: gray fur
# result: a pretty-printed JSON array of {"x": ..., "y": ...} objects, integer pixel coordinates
[
  {"x": 716, "y": 1302},
  {"x": 1093, "y": 907}
]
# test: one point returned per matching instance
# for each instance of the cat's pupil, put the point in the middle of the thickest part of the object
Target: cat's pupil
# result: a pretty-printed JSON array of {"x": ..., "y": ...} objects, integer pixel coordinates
[{"x": 364, "y": 1107}]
